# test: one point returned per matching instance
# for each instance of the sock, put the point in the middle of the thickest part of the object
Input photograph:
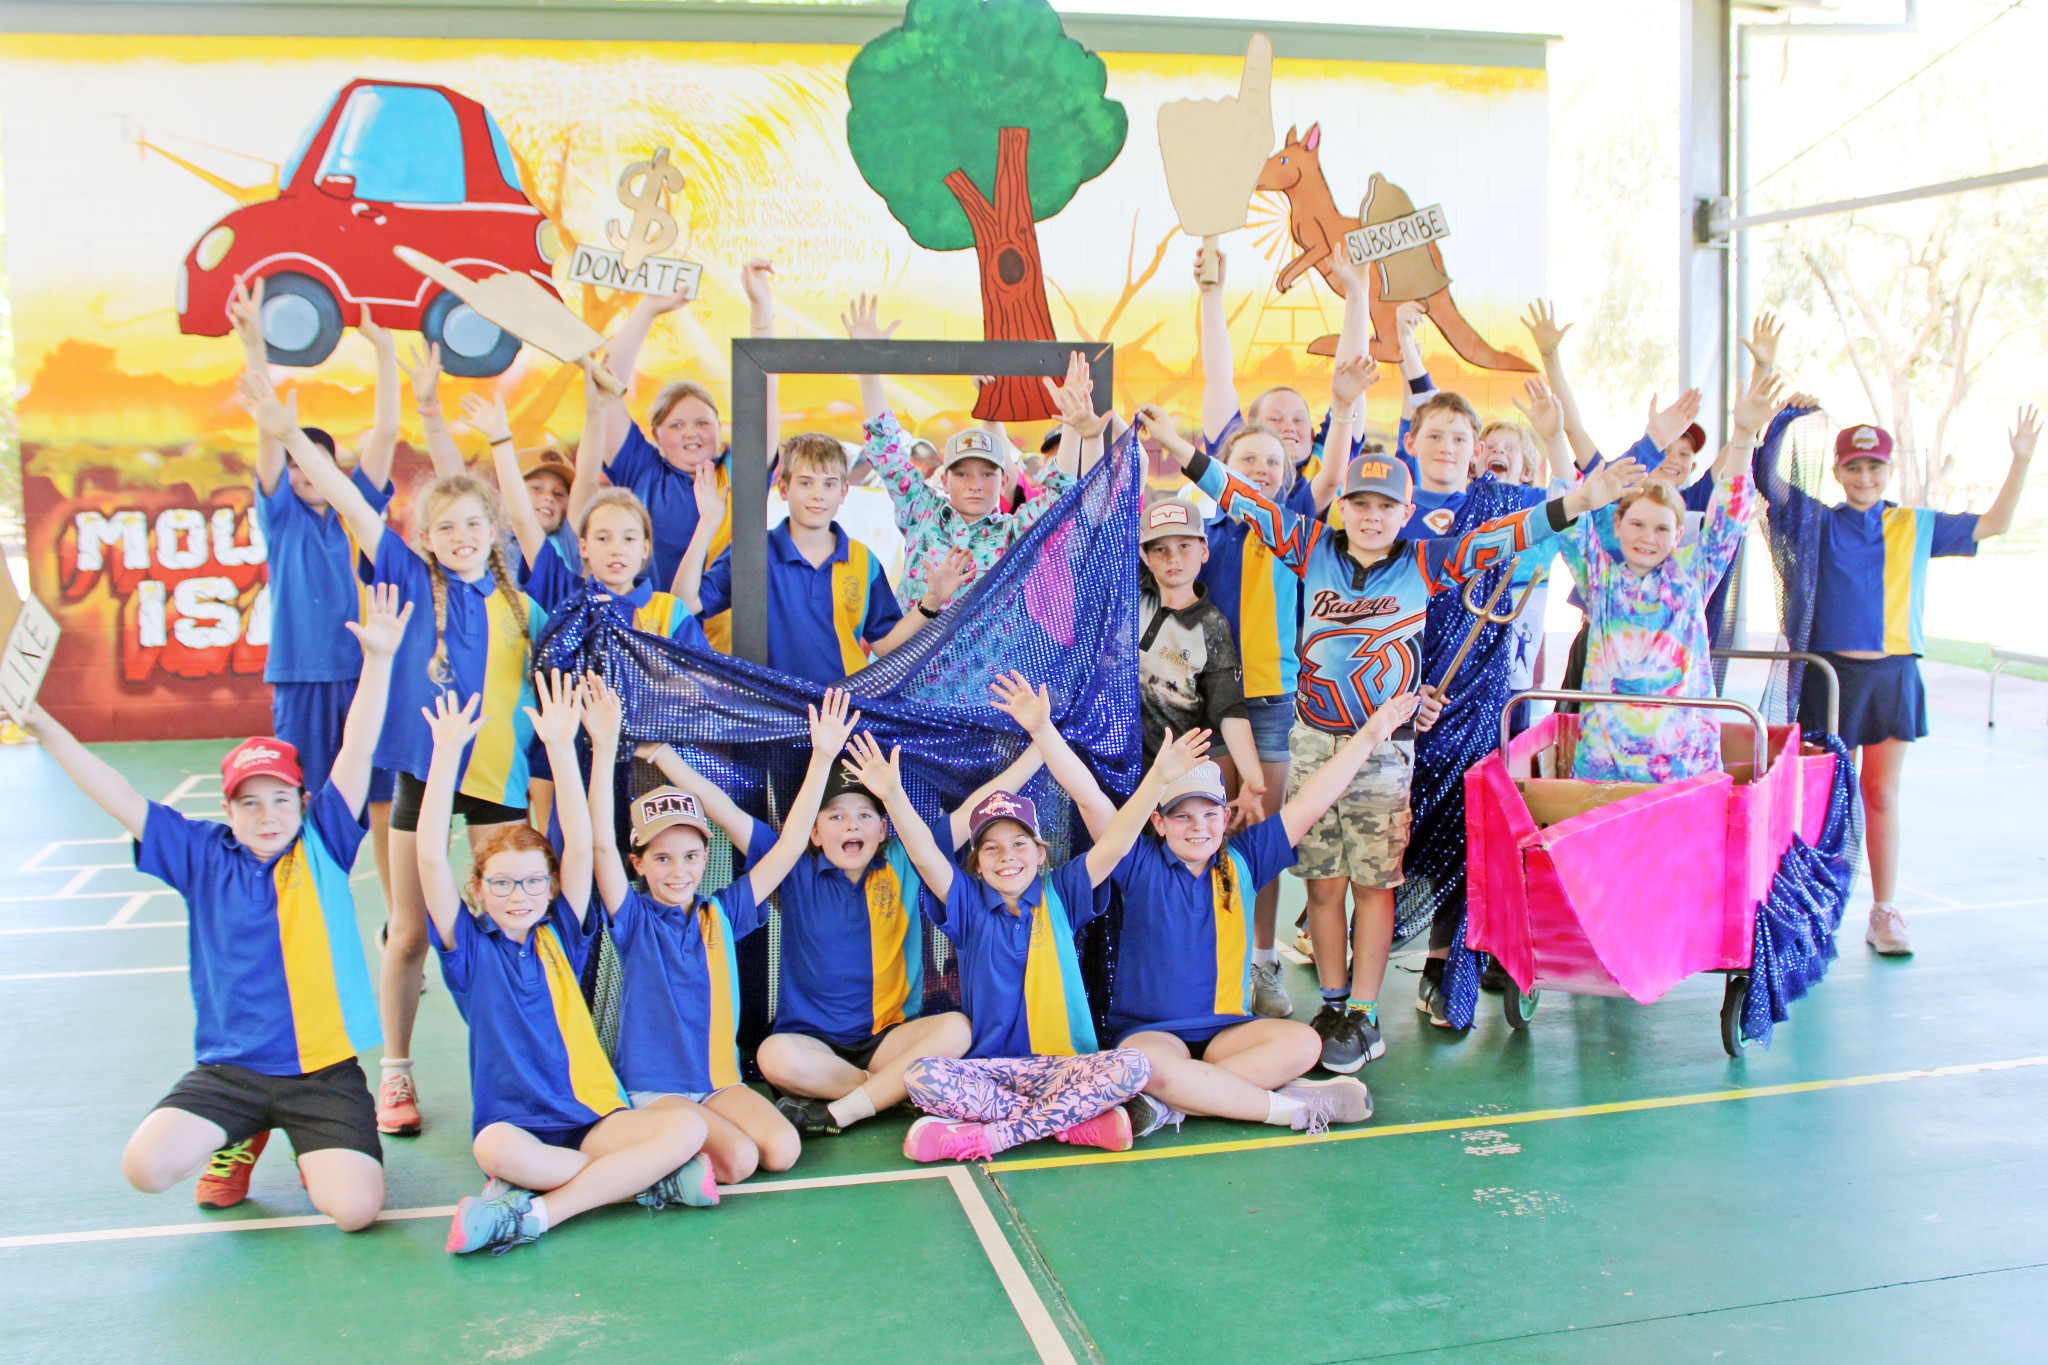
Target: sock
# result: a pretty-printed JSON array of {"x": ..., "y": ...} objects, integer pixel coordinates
[
  {"x": 850, "y": 1109},
  {"x": 536, "y": 1220},
  {"x": 1336, "y": 995},
  {"x": 1369, "y": 1008},
  {"x": 398, "y": 1064},
  {"x": 1280, "y": 1110},
  {"x": 1433, "y": 968},
  {"x": 1261, "y": 956}
]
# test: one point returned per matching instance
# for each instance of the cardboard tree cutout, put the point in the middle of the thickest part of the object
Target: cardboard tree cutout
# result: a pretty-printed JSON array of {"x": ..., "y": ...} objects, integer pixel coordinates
[
  {"x": 1213, "y": 151},
  {"x": 976, "y": 120}
]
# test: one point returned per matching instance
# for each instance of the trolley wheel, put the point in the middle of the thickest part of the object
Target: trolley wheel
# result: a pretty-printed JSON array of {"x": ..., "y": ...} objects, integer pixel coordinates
[
  {"x": 1519, "y": 1008},
  {"x": 1732, "y": 1041}
]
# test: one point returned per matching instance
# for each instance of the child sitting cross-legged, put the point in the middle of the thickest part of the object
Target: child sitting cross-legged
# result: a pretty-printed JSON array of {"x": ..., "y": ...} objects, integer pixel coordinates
[
  {"x": 1032, "y": 1068},
  {"x": 849, "y": 1003},
  {"x": 553, "y": 1130},
  {"x": 1183, "y": 982}
]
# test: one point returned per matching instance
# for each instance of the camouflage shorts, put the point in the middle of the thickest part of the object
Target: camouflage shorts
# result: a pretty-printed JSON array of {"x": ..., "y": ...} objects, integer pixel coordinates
[{"x": 1363, "y": 836}]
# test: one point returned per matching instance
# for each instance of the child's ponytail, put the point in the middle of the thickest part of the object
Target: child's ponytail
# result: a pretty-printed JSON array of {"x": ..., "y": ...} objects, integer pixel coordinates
[
  {"x": 502, "y": 572},
  {"x": 438, "y": 671}
]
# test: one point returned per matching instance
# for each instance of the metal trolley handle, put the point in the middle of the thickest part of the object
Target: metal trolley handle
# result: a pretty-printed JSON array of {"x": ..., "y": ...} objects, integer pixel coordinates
[
  {"x": 1755, "y": 717},
  {"x": 1826, "y": 667}
]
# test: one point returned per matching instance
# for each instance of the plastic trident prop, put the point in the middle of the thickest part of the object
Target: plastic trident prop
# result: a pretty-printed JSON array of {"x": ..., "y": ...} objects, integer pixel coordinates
[{"x": 1484, "y": 616}]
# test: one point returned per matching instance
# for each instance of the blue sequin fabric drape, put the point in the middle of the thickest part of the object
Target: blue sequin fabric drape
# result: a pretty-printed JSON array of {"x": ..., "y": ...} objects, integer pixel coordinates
[{"x": 1794, "y": 938}]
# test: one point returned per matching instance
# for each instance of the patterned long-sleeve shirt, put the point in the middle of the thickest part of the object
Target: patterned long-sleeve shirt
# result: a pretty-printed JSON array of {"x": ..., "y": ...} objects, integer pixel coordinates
[
  {"x": 931, "y": 527},
  {"x": 1648, "y": 637}
]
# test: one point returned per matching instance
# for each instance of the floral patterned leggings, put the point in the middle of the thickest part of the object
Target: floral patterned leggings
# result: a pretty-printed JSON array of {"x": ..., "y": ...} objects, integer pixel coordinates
[{"x": 1023, "y": 1098}]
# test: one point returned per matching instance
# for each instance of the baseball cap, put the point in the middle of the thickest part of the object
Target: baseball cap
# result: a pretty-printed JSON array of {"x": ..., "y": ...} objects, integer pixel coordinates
[
  {"x": 1204, "y": 780},
  {"x": 974, "y": 444},
  {"x": 1697, "y": 435},
  {"x": 662, "y": 807},
  {"x": 260, "y": 758},
  {"x": 1863, "y": 442},
  {"x": 839, "y": 783},
  {"x": 1169, "y": 517},
  {"x": 546, "y": 459},
  {"x": 1000, "y": 805},
  {"x": 1378, "y": 474}
]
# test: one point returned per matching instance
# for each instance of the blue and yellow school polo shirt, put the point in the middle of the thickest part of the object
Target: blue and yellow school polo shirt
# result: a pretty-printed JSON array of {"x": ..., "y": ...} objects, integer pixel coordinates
[
  {"x": 1183, "y": 963},
  {"x": 553, "y": 584},
  {"x": 679, "y": 1007},
  {"x": 1258, "y": 595},
  {"x": 1872, "y": 578},
  {"x": 852, "y": 950},
  {"x": 535, "y": 1061},
  {"x": 487, "y": 653},
  {"x": 671, "y": 498},
  {"x": 821, "y": 618},
  {"x": 1020, "y": 980},
  {"x": 311, "y": 561},
  {"x": 278, "y": 977},
  {"x": 566, "y": 547}
]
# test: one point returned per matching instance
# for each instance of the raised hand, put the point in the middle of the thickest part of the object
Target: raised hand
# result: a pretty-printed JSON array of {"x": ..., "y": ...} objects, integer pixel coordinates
[
  {"x": 1407, "y": 318},
  {"x": 944, "y": 578},
  {"x": 453, "y": 726},
  {"x": 423, "y": 368},
  {"x": 256, "y": 397},
  {"x": 561, "y": 707},
  {"x": 488, "y": 416},
  {"x": 383, "y": 624},
  {"x": 1764, "y": 335},
  {"x": 865, "y": 764},
  {"x": 377, "y": 336},
  {"x": 604, "y": 714},
  {"x": 862, "y": 321},
  {"x": 1075, "y": 398},
  {"x": 1543, "y": 328},
  {"x": 1607, "y": 483},
  {"x": 1016, "y": 698},
  {"x": 757, "y": 282},
  {"x": 245, "y": 311},
  {"x": 1805, "y": 402},
  {"x": 657, "y": 304},
  {"x": 1178, "y": 755},
  {"x": 2026, "y": 431},
  {"x": 710, "y": 497},
  {"x": 1157, "y": 424},
  {"x": 1350, "y": 379},
  {"x": 1222, "y": 268},
  {"x": 1666, "y": 425},
  {"x": 1753, "y": 408},
  {"x": 1390, "y": 715},
  {"x": 831, "y": 724},
  {"x": 1542, "y": 410}
]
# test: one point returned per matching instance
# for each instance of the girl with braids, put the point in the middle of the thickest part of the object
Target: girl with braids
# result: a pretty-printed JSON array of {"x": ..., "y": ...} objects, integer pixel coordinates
[{"x": 482, "y": 634}]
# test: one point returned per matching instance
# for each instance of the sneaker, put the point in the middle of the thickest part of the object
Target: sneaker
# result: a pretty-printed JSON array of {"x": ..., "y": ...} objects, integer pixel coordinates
[
  {"x": 1147, "y": 1115},
  {"x": 1887, "y": 932},
  {"x": 225, "y": 1182},
  {"x": 1369, "y": 1040},
  {"x": 809, "y": 1117},
  {"x": 1430, "y": 1000},
  {"x": 1269, "y": 997},
  {"x": 499, "y": 1224},
  {"x": 691, "y": 1183},
  {"x": 1495, "y": 978},
  {"x": 937, "y": 1139},
  {"x": 398, "y": 1106},
  {"x": 1339, "y": 1100},
  {"x": 1343, "y": 1049},
  {"x": 1110, "y": 1130}
]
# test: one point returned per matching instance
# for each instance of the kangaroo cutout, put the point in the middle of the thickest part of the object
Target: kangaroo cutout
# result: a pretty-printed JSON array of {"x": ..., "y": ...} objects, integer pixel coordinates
[{"x": 1318, "y": 227}]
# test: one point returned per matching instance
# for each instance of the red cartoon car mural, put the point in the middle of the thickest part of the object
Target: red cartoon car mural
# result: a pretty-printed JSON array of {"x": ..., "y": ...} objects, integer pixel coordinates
[{"x": 387, "y": 164}]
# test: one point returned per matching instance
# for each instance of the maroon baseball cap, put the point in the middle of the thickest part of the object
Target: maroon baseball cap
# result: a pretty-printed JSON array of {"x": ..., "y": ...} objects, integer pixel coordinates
[
  {"x": 1000, "y": 805},
  {"x": 1863, "y": 442},
  {"x": 1697, "y": 435},
  {"x": 260, "y": 758}
]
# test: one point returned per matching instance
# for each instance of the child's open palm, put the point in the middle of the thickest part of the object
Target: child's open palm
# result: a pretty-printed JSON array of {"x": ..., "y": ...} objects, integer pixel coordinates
[
  {"x": 831, "y": 722},
  {"x": 488, "y": 416},
  {"x": 1543, "y": 328},
  {"x": 383, "y": 624},
  {"x": 423, "y": 368},
  {"x": 561, "y": 707},
  {"x": 257, "y": 398},
  {"x": 453, "y": 726},
  {"x": 710, "y": 497},
  {"x": 604, "y": 713},
  {"x": 1016, "y": 698},
  {"x": 1390, "y": 715},
  {"x": 1607, "y": 483},
  {"x": 1178, "y": 756},
  {"x": 1666, "y": 425},
  {"x": 1542, "y": 409},
  {"x": 866, "y": 765},
  {"x": 1765, "y": 334},
  {"x": 948, "y": 574},
  {"x": 1351, "y": 378},
  {"x": 862, "y": 319},
  {"x": 1075, "y": 398},
  {"x": 1756, "y": 403},
  {"x": 2026, "y": 431}
]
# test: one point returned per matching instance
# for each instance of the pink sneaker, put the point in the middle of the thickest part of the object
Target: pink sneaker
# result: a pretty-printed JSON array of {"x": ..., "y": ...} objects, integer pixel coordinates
[
  {"x": 936, "y": 1139},
  {"x": 1110, "y": 1130}
]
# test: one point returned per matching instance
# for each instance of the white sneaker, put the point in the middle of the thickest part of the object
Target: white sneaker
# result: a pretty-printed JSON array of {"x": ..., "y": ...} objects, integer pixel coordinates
[
  {"x": 1887, "y": 932},
  {"x": 1269, "y": 996}
]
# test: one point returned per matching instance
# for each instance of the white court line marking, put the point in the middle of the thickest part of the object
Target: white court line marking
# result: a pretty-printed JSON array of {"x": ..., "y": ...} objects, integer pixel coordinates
[
  {"x": 114, "y": 971},
  {"x": 97, "y": 928},
  {"x": 1023, "y": 1294},
  {"x": 81, "y": 896},
  {"x": 127, "y": 912},
  {"x": 35, "y": 861},
  {"x": 185, "y": 790},
  {"x": 1947, "y": 902}
]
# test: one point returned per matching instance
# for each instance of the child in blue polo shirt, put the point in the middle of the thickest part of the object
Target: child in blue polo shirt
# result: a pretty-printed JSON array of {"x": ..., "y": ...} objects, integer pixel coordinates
[
  {"x": 552, "y": 1128},
  {"x": 310, "y": 562},
  {"x": 850, "y": 989},
  {"x": 1032, "y": 1068},
  {"x": 278, "y": 979},
  {"x": 474, "y": 631},
  {"x": 830, "y": 607},
  {"x": 679, "y": 1007}
]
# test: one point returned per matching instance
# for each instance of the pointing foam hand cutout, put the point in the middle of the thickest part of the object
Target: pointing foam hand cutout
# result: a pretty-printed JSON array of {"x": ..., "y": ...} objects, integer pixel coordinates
[{"x": 1214, "y": 151}]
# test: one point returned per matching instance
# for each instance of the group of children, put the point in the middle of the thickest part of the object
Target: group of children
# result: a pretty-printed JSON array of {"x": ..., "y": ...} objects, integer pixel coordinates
[{"x": 1295, "y": 625}]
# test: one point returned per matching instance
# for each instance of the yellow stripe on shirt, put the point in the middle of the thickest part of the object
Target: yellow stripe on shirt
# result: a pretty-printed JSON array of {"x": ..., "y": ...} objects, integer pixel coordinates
[
  {"x": 885, "y": 946},
  {"x": 1045, "y": 988},
  {"x": 591, "y": 1078},
  {"x": 309, "y": 965},
  {"x": 721, "y": 1036},
  {"x": 497, "y": 747},
  {"x": 850, "y": 577},
  {"x": 1901, "y": 546},
  {"x": 1258, "y": 625},
  {"x": 1233, "y": 934},
  {"x": 658, "y": 616}
]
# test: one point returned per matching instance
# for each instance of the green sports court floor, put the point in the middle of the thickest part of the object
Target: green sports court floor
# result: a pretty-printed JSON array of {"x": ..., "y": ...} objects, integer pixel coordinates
[{"x": 1605, "y": 1187}]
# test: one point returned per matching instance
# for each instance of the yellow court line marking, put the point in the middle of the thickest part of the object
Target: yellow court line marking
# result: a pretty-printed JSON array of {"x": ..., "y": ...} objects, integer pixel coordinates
[{"x": 1499, "y": 1120}]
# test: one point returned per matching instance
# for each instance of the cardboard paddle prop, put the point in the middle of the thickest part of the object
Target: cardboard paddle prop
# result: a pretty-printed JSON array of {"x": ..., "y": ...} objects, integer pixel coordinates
[
  {"x": 1214, "y": 150},
  {"x": 518, "y": 304}
]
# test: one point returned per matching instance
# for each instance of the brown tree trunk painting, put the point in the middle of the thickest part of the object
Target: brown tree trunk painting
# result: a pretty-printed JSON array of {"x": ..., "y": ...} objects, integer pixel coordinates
[{"x": 1013, "y": 306}]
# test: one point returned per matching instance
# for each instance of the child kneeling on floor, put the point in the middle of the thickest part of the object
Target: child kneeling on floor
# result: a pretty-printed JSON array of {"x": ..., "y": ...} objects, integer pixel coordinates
[{"x": 553, "y": 1130}]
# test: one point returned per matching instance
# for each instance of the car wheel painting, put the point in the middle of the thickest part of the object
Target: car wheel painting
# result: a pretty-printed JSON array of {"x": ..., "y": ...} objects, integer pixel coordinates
[
  {"x": 301, "y": 320},
  {"x": 471, "y": 346}
]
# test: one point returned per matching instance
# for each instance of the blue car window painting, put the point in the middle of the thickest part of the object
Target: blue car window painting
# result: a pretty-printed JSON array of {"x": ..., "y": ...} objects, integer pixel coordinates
[
  {"x": 402, "y": 144},
  {"x": 305, "y": 142},
  {"x": 507, "y": 167}
]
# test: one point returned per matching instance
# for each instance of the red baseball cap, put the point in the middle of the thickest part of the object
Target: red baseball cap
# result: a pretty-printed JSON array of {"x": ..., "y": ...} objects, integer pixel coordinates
[
  {"x": 1863, "y": 442},
  {"x": 1697, "y": 435},
  {"x": 260, "y": 758}
]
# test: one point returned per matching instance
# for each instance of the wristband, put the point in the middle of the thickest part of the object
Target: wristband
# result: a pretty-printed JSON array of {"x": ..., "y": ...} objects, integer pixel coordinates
[
  {"x": 504, "y": 440},
  {"x": 928, "y": 613},
  {"x": 1421, "y": 384}
]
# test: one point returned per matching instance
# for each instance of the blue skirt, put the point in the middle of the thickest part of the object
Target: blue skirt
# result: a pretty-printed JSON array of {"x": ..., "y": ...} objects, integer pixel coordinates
[{"x": 1881, "y": 699}]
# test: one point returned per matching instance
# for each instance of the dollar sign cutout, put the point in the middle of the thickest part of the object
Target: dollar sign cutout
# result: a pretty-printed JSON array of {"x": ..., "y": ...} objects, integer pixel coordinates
[{"x": 654, "y": 228}]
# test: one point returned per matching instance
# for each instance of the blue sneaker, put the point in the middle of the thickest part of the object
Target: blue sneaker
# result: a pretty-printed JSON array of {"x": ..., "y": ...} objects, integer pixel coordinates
[
  {"x": 500, "y": 1223},
  {"x": 691, "y": 1183}
]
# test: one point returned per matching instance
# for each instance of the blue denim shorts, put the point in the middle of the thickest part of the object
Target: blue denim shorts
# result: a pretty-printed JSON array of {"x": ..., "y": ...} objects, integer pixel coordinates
[{"x": 1272, "y": 721}]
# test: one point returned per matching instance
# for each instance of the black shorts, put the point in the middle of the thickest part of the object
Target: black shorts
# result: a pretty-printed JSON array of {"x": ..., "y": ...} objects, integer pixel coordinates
[
  {"x": 1881, "y": 699},
  {"x": 860, "y": 1053},
  {"x": 328, "y": 1108},
  {"x": 405, "y": 807}
]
